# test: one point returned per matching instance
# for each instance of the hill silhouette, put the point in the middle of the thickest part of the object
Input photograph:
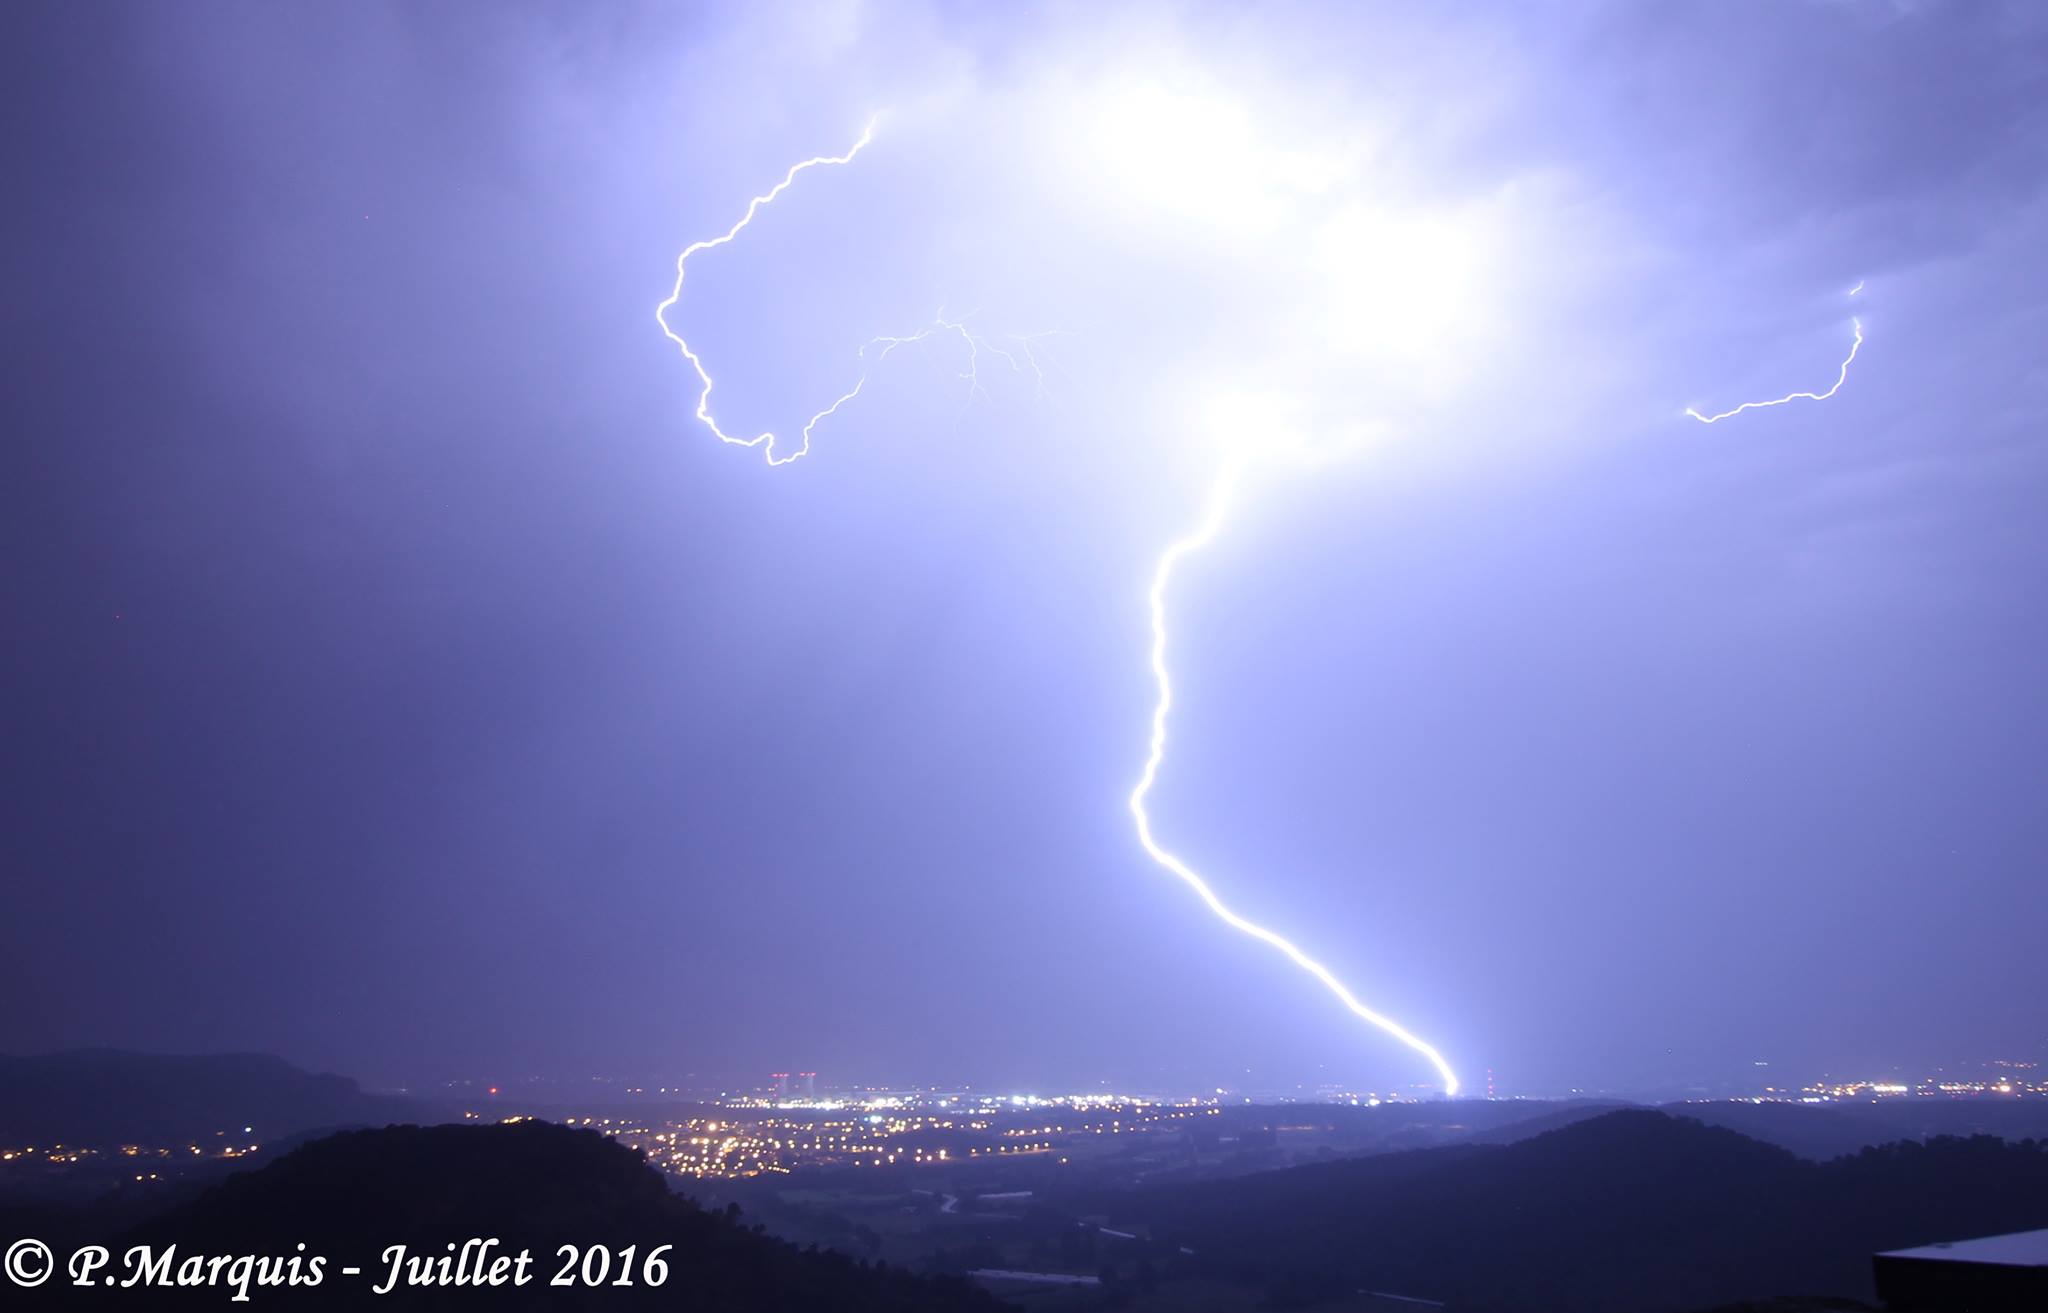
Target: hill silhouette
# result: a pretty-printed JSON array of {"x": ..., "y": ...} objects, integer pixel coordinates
[
  {"x": 1830, "y": 1130},
  {"x": 529, "y": 1185},
  {"x": 1629, "y": 1212},
  {"x": 106, "y": 1096},
  {"x": 1816, "y": 1131}
]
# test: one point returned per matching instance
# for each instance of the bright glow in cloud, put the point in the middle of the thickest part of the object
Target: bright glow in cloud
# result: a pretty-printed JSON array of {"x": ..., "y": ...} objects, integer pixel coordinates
[
  {"x": 1193, "y": 151},
  {"x": 1323, "y": 265},
  {"x": 1400, "y": 285}
]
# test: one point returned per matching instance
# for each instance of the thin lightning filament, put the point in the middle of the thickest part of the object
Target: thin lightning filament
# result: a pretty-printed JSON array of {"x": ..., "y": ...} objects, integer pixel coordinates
[
  {"x": 1841, "y": 378},
  {"x": 754, "y": 206}
]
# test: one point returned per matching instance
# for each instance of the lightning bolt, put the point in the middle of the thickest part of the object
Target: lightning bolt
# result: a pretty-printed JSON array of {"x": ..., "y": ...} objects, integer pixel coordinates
[
  {"x": 754, "y": 207},
  {"x": 1220, "y": 499},
  {"x": 872, "y": 354},
  {"x": 1841, "y": 378},
  {"x": 976, "y": 344}
]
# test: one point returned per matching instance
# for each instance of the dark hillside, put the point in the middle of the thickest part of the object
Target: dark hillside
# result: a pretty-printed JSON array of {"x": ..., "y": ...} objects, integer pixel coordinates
[
  {"x": 1631, "y": 1212},
  {"x": 105, "y": 1096}
]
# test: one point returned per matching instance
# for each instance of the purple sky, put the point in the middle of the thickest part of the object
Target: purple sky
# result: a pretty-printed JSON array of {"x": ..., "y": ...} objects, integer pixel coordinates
[{"x": 400, "y": 680}]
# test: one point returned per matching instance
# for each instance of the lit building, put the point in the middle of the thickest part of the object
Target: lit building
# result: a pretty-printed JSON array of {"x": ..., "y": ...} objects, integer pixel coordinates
[{"x": 1996, "y": 1274}]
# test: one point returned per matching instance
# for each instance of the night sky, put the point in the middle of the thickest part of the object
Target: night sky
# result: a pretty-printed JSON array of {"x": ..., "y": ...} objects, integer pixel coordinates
[{"x": 399, "y": 679}]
